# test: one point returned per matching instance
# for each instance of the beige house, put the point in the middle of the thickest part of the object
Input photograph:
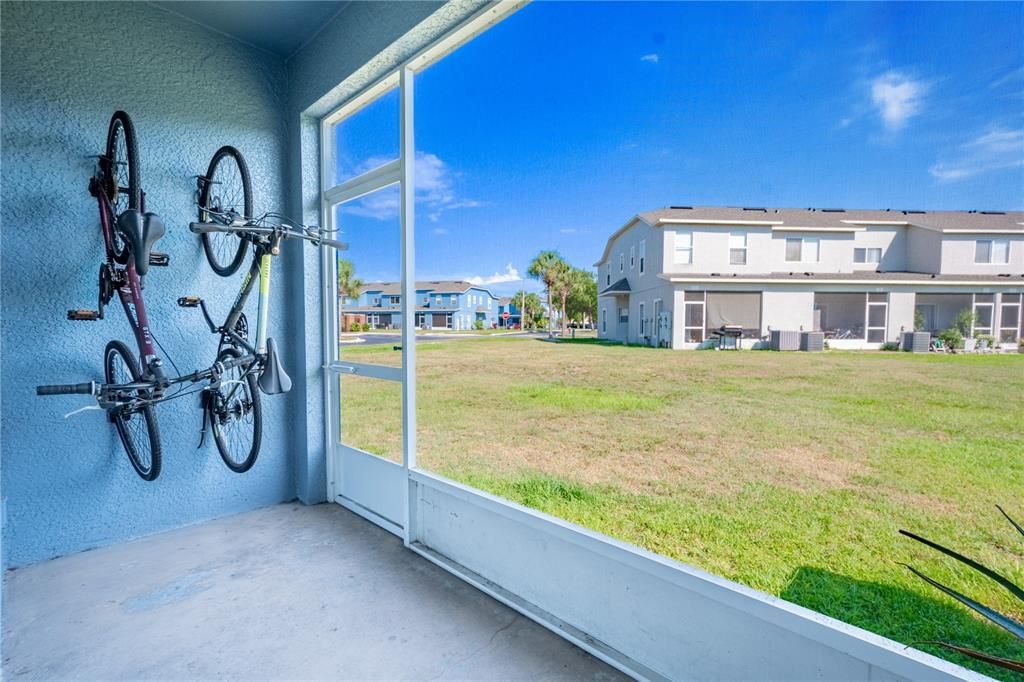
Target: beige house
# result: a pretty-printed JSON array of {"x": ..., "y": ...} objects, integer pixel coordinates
[{"x": 673, "y": 276}]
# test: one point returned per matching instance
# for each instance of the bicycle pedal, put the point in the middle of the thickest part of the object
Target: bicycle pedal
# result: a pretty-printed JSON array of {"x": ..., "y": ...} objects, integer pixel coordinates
[
  {"x": 159, "y": 259},
  {"x": 189, "y": 301},
  {"x": 91, "y": 315}
]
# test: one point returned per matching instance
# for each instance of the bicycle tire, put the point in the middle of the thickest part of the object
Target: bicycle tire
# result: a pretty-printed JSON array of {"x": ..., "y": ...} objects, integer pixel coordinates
[
  {"x": 225, "y": 252},
  {"x": 228, "y": 416},
  {"x": 133, "y": 433},
  {"x": 123, "y": 190}
]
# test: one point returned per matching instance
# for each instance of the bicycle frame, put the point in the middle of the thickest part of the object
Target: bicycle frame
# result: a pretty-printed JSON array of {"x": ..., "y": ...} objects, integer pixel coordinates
[
  {"x": 259, "y": 270},
  {"x": 130, "y": 290}
]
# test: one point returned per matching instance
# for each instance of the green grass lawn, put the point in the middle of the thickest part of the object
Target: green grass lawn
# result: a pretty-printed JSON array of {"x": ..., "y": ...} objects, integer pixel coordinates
[{"x": 788, "y": 472}]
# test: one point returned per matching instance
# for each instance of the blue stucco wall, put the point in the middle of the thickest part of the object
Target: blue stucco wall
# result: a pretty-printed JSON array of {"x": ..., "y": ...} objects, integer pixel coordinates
[{"x": 66, "y": 67}]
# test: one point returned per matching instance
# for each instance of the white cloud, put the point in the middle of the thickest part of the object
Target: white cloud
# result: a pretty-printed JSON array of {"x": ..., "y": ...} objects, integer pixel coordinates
[
  {"x": 435, "y": 191},
  {"x": 1010, "y": 77},
  {"x": 440, "y": 231},
  {"x": 897, "y": 98},
  {"x": 997, "y": 149},
  {"x": 652, "y": 58},
  {"x": 511, "y": 274},
  {"x": 568, "y": 230}
]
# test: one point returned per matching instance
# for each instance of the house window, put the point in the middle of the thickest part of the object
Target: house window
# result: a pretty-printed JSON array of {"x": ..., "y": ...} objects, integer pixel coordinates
[
  {"x": 737, "y": 248},
  {"x": 455, "y": 301},
  {"x": 643, "y": 254},
  {"x": 684, "y": 247},
  {"x": 984, "y": 311},
  {"x": 643, "y": 322},
  {"x": 1009, "y": 318},
  {"x": 867, "y": 255},
  {"x": 992, "y": 251},
  {"x": 802, "y": 250},
  {"x": 632, "y": 257},
  {"x": 693, "y": 316},
  {"x": 623, "y": 315},
  {"x": 604, "y": 320},
  {"x": 622, "y": 262},
  {"x": 608, "y": 275},
  {"x": 878, "y": 315}
]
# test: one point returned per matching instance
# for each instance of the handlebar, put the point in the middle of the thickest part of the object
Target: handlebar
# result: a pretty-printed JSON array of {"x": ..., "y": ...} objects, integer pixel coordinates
[
  {"x": 67, "y": 389},
  {"x": 282, "y": 231}
]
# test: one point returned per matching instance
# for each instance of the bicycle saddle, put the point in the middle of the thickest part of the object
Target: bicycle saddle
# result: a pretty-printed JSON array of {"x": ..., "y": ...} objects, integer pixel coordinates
[
  {"x": 141, "y": 231},
  {"x": 273, "y": 379}
]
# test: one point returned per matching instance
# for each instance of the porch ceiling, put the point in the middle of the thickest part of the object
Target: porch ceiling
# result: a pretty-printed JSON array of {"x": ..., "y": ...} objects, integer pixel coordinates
[
  {"x": 277, "y": 26},
  {"x": 283, "y": 592}
]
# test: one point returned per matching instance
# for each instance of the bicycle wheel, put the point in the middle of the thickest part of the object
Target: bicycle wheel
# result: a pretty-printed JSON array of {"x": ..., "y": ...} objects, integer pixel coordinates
[
  {"x": 137, "y": 428},
  {"x": 236, "y": 416},
  {"x": 226, "y": 195},
  {"x": 121, "y": 175}
]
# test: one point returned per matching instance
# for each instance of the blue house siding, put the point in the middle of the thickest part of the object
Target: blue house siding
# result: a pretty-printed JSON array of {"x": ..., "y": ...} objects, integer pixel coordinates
[{"x": 447, "y": 305}]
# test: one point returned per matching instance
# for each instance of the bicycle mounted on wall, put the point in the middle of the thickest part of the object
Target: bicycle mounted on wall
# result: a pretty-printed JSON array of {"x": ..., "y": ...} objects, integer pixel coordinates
[{"x": 230, "y": 394}]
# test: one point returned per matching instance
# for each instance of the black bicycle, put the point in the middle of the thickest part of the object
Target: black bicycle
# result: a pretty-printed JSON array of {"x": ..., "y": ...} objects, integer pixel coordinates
[{"x": 224, "y": 200}]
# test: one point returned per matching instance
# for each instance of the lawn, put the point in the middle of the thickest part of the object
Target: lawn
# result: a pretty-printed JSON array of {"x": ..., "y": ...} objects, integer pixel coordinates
[{"x": 787, "y": 472}]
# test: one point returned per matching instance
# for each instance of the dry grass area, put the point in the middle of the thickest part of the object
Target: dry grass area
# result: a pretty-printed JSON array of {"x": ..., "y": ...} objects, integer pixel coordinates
[{"x": 788, "y": 472}]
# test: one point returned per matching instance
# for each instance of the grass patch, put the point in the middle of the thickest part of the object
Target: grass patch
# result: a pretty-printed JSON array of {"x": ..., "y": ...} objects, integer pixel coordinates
[
  {"x": 790, "y": 473},
  {"x": 579, "y": 398}
]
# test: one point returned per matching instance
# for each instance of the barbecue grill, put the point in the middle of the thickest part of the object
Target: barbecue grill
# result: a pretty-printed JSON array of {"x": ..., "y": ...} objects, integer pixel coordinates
[{"x": 729, "y": 336}]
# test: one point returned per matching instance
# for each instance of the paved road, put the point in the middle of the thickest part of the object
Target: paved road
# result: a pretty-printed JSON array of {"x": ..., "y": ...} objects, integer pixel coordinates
[{"x": 396, "y": 339}]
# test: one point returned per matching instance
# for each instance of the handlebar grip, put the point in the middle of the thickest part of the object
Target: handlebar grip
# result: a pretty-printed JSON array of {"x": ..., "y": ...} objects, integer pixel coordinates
[
  {"x": 340, "y": 246},
  {"x": 65, "y": 389},
  {"x": 203, "y": 228}
]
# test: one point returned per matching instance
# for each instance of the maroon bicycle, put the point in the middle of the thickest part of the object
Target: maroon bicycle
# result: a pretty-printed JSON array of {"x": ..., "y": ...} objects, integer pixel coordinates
[{"x": 129, "y": 234}]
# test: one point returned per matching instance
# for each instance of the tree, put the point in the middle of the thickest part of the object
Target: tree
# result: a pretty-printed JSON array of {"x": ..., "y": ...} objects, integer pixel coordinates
[
  {"x": 552, "y": 269},
  {"x": 349, "y": 286},
  {"x": 531, "y": 308},
  {"x": 581, "y": 305}
]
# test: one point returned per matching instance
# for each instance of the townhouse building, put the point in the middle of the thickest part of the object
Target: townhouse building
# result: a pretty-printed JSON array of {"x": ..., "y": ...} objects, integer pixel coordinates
[
  {"x": 446, "y": 304},
  {"x": 673, "y": 276}
]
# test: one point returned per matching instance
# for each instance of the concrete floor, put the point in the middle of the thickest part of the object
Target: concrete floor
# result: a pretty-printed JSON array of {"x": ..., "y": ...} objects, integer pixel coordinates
[{"x": 284, "y": 592}]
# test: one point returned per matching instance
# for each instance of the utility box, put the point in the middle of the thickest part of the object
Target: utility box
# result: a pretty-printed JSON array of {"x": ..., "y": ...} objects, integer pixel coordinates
[
  {"x": 783, "y": 340},
  {"x": 812, "y": 341},
  {"x": 916, "y": 342}
]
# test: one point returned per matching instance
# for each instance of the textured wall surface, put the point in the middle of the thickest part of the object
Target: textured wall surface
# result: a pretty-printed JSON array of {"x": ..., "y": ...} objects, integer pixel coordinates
[
  {"x": 66, "y": 67},
  {"x": 361, "y": 45}
]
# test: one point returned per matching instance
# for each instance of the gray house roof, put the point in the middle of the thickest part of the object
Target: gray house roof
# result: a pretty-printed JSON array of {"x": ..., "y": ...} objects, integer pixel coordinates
[
  {"x": 619, "y": 287},
  {"x": 973, "y": 221},
  {"x": 917, "y": 277},
  {"x": 448, "y": 286}
]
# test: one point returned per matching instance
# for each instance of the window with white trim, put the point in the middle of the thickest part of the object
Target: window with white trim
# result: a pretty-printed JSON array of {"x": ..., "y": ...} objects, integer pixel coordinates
[
  {"x": 802, "y": 249},
  {"x": 643, "y": 254},
  {"x": 623, "y": 315},
  {"x": 632, "y": 256},
  {"x": 643, "y": 322},
  {"x": 867, "y": 255},
  {"x": 622, "y": 262},
  {"x": 608, "y": 275},
  {"x": 604, "y": 320},
  {"x": 737, "y": 248},
  {"x": 683, "y": 247},
  {"x": 1010, "y": 316},
  {"x": 992, "y": 251}
]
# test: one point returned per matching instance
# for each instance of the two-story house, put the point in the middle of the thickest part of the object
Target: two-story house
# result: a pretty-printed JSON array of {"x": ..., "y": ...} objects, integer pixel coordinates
[
  {"x": 507, "y": 304},
  {"x": 672, "y": 276},
  {"x": 439, "y": 305}
]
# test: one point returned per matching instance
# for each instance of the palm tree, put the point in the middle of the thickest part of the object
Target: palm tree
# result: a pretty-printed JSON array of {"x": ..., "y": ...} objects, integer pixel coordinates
[
  {"x": 349, "y": 286},
  {"x": 550, "y": 268}
]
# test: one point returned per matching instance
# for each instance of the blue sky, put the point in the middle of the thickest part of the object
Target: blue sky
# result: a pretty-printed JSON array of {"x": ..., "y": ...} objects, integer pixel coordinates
[{"x": 556, "y": 126}]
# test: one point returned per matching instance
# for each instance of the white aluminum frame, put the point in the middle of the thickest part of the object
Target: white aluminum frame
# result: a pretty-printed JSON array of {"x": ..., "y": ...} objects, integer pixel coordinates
[{"x": 525, "y": 558}]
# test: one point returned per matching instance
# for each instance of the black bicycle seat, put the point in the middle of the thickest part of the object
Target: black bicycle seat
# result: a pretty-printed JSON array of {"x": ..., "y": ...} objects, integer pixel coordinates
[{"x": 142, "y": 231}]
